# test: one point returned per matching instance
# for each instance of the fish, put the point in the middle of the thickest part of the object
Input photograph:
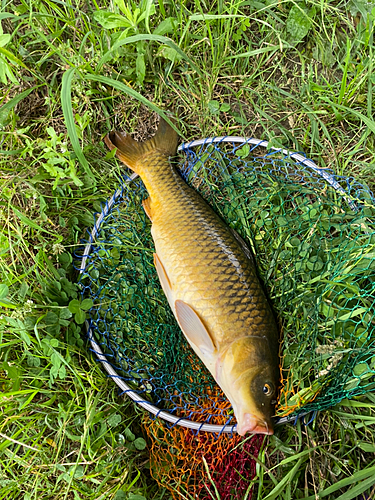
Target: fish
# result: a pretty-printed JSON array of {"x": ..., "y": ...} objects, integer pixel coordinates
[{"x": 208, "y": 275}]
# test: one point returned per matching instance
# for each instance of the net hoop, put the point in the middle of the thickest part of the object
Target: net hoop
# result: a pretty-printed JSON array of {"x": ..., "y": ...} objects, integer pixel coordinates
[{"x": 152, "y": 409}]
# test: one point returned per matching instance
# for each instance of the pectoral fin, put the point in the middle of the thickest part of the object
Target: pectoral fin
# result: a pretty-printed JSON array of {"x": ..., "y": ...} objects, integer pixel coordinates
[
  {"x": 188, "y": 319},
  {"x": 193, "y": 328}
]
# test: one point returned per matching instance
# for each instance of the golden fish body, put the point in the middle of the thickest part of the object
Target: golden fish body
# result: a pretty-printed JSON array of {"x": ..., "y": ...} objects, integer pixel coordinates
[{"x": 209, "y": 278}]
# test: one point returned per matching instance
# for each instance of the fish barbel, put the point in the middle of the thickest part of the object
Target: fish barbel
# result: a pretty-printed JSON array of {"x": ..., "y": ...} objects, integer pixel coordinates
[{"x": 208, "y": 275}]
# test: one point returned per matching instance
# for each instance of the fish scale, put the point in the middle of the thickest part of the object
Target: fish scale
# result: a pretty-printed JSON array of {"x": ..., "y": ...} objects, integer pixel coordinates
[
  {"x": 209, "y": 278},
  {"x": 176, "y": 224}
]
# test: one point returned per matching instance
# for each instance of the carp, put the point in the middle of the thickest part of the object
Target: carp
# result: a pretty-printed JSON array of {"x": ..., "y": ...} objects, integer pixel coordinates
[{"x": 208, "y": 275}]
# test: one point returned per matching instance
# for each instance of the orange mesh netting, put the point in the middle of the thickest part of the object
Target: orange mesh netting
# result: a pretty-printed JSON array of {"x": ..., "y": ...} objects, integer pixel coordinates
[{"x": 178, "y": 457}]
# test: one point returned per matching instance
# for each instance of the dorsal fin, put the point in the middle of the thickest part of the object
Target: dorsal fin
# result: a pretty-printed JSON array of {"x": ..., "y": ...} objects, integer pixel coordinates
[{"x": 245, "y": 248}]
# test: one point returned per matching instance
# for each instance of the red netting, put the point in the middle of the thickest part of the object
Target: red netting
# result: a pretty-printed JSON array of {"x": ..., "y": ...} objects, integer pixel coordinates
[{"x": 180, "y": 460}]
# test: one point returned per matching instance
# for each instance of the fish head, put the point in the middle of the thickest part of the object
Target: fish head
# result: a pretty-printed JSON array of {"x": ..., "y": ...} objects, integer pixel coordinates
[
  {"x": 248, "y": 373},
  {"x": 257, "y": 397}
]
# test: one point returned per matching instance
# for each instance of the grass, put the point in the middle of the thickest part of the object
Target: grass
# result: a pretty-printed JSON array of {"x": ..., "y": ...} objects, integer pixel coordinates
[{"x": 299, "y": 75}]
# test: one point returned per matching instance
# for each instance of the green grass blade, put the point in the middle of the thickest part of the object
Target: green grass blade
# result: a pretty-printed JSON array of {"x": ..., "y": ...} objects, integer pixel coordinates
[
  {"x": 66, "y": 103},
  {"x": 295, "y": 457},
  {"x": 28, "y": 222},
  {"x": 370, "y": 85},
  {"x": 6, "y": 15},
  {"x": 358, "y": 490},
  {"x": 7, "y": 107},
  {"x": 370, "y": 123},
  {"x": 150, "y": 38},
  {"x": 12, "y": 57},
  {"x": 368, "y": 473},
  {"x": 11, "y": 440},
  {"x": 286, "y": 479},
  {"x": 12, "y": 152},
  {"x": 356, "y": 404},
  {"x": 350, "y": 416},
  {"x": 255, "y": 52},
  {"x": 132, "y": 93},
  {"x": 149, "y": 4},
  {"x": 345, "y": 72},
  {"x": 211, "y": 481},
  {"x": 7, "y": 304},
  {"x": 206, "y": 17}
]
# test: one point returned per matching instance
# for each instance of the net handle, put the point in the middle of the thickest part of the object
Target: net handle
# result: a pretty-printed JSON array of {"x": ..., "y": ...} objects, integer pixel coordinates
[{"x": 190, "y": 424}]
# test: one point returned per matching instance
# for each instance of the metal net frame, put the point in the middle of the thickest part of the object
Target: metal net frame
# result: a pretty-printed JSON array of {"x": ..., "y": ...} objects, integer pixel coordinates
[{"x": 261, "y": 192}]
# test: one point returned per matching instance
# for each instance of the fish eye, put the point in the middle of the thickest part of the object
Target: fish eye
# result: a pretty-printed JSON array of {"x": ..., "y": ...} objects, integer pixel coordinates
[{"x": 268, "y": 389}]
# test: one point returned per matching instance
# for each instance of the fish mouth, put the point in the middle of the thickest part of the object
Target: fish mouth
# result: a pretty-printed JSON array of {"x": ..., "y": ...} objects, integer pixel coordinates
[{"x": 250, "y": 423}]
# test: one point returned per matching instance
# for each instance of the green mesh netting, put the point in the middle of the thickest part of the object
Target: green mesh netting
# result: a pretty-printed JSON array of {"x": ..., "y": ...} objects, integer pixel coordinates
[{"x": 313, "y": 236}]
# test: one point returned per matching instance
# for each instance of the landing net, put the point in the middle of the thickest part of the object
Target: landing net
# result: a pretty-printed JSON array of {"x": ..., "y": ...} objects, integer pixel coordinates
[{"x": 313, "y": 237}]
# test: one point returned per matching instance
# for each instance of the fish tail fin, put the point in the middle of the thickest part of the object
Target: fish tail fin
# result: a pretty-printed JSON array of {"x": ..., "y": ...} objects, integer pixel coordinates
[{"x": 130, "y": 151}]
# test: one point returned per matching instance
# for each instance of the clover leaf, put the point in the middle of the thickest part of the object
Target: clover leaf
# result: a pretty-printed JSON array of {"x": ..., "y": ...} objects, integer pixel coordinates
[{"x": 79, "y": 308}]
